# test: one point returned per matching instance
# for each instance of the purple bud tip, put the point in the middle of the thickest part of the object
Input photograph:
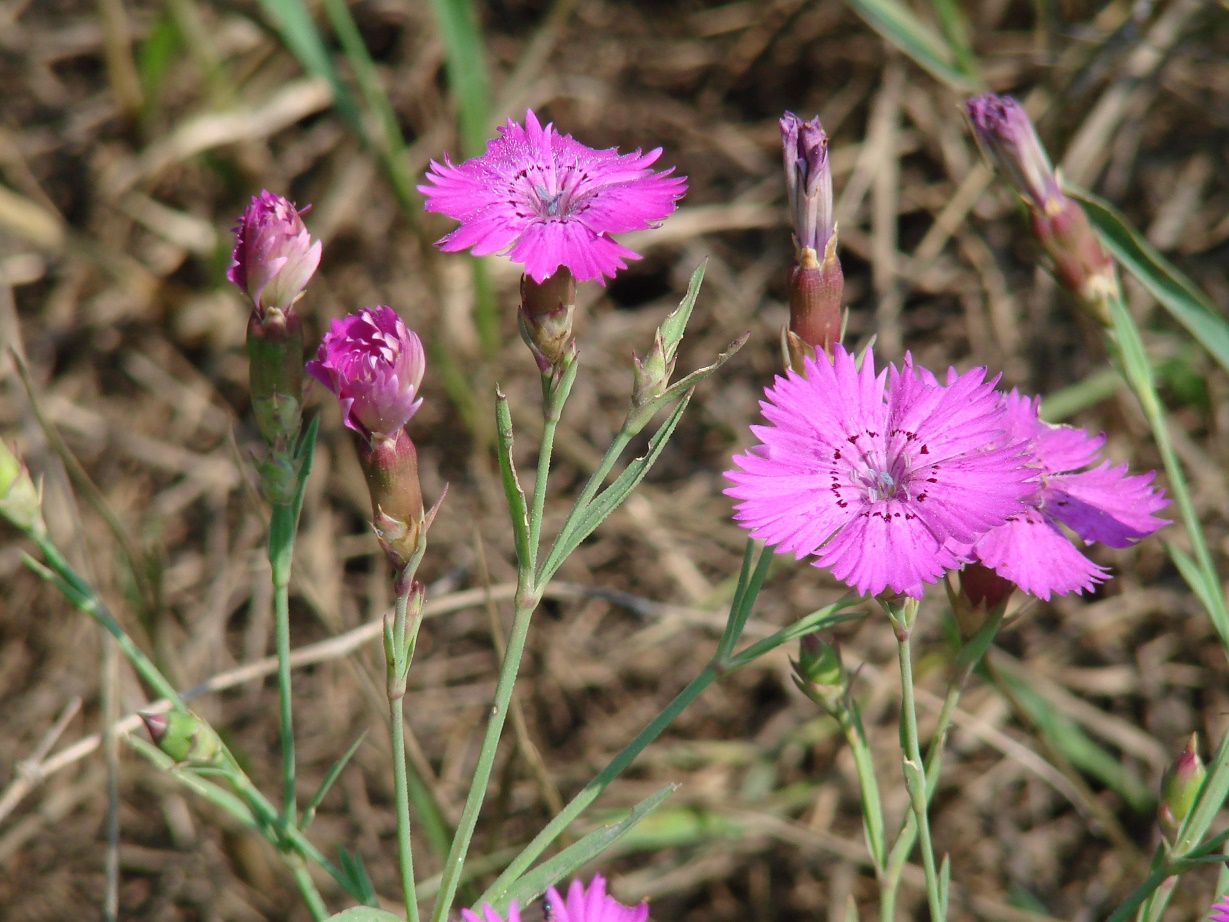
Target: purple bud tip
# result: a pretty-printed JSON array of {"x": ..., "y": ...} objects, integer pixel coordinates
[
  {"x": 156, "y": 724},
  {"x": 808, "y": 180},
  {"x": 1007, "y": 137}
]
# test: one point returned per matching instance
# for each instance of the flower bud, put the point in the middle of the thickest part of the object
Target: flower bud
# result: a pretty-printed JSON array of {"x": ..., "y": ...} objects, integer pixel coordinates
[
  {"x": 391, "y": 468},
  {"x": 1179, "y": 787},
  {"x": 981, "y": 591},
  {"x": 185, "y": 737},
  {"x": 20, "y": 501},
  {"x": 374, "y": 365},
  {"x": 545, "y": 318},
  {"x": 820, "y": 674},
  {"x": 274, "y": 255},
  {"x": 1081, "y": 263},
  {"x": 1009, "y": 141},
  {"x": 815, "y": 282}
]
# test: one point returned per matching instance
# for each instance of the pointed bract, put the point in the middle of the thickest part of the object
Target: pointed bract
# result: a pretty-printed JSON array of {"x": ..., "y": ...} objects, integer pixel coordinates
[{"x": 549, "y": 201}]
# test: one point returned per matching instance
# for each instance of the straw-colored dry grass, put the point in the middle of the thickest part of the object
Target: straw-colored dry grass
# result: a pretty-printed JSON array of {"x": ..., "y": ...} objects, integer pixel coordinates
[{"x": 114, "y": 208}]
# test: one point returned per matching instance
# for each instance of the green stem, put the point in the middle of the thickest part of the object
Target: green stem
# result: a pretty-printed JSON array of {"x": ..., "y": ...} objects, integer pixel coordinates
[
  {"x": 451, "y": 875},
  {"x": 281, "y": 551},
  {"x": 915, "y": 775},
  {"x": 1138, "y": 374},
  {"x": 86, "y": 600},
  {"x": 307, "y": 887},
  {"x": 825, "y": 617},
  {"x": 528, "y": 594},
  {"x": 970, "y": 655},
  {"x": 396, "y": 705},
  {"x": 552, "y": 412}
]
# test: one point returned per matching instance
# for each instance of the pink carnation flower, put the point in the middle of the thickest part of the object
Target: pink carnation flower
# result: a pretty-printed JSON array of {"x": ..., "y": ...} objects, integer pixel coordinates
[
  {"x": 490, "y": 915},
  {"x": 274, "y": 256},
  {"x": 591, "y": 905},
  {"x": 1103, "y": 504},
  {"x": 374, "y": 366},
  {"x": 881, "y": 477},
  {"x": 549, "y": 201}
]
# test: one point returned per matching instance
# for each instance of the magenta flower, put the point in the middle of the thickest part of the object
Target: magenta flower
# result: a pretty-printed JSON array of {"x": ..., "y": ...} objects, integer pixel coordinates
[
  {"x": 490, "y": 915},
  {"x": 591, "y": 905},
  {"x": 1220, "y": 910},
  {"x": 1102, "y": 504},
  {"x": 274, "y": 255},
  {"x": 549, "y": 201},
  {"x": 374, "y": 365},
  {"x": 879, "y": 476}
]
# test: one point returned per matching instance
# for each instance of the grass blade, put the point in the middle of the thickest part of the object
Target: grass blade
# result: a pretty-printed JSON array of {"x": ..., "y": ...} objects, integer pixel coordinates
[
  {"x": 915, "y": 39},
  {"x": 1178, "y": 294}
]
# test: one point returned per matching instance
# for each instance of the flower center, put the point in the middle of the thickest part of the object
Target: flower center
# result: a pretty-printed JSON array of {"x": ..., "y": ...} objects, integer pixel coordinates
[{"x": 551, "y": 194}]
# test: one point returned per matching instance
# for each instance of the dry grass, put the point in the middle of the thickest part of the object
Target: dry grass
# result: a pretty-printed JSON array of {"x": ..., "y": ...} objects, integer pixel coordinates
[{"x": 114, "y": 209}]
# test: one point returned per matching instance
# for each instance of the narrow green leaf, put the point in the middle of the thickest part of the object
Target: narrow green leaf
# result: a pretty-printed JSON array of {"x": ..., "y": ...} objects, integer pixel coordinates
[
  {"x": 155, "y": 57},
  {"x": 945, "y": 883},
  {"x": 1191, "y": 573},
  {"x": 914, "y": 38},
  {"x": 1178, "y": 294},
  {"x": 1084, "y": 753},
  {"x": 355, "y": 872},
  {"x": 330, "y": 776},
  {"x": 298, "y": 32},
  {"x": 465, "y": 56},
  {"x": 609, "y": 499},
  {"x": 364, "y": 914},
  {"x": 534, "y": 883},
  {"x": 675, "y": 324},
  {"x": 513, "y": 492},
  {"x": 955, "y": 27}
]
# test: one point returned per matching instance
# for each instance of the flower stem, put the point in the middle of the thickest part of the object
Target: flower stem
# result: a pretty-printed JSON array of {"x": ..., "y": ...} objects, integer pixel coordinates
[
  {"x": 825, "y": 617},
  {"x": 401, "y": 653},
  {"x": 970, "y": 655},
  {"x": 86, "y": 600},
  {"x": 915, "y": 776},
  {"x": 281, "y": 552},
  {"x": 528, "y": 594}
]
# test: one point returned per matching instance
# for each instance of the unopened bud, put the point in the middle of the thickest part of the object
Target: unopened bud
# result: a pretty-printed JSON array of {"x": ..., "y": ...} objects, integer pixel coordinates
[
  {"x": 981, "y": 592},
  {"x": 545, "y": 318},
  {"x": 820, "y": 674},
  {"x": 1180, "y": 786},
  {"x": 651, "y": 375},
  {"x": 816, "y": 283},
  {"x": 185, "y": 737},
  {"x": 391, "y": 468},
  {"x": 274, "y": 256},
  {"x": 20, "y": 501},
  {"x": 1081, "y": 263}
]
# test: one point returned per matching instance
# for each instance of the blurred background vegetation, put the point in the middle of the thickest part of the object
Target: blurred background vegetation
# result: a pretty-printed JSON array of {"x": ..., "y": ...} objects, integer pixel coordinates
[{"x": 132, "y": 135}]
